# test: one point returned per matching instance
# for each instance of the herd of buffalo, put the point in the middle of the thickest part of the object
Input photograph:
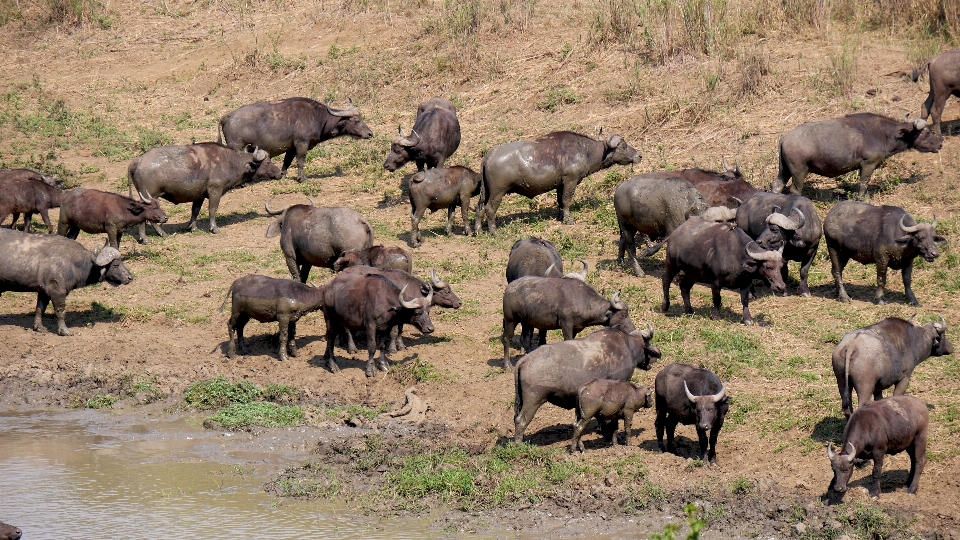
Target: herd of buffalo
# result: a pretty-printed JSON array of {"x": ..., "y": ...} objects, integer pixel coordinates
[{"x": 718, "y": 229}]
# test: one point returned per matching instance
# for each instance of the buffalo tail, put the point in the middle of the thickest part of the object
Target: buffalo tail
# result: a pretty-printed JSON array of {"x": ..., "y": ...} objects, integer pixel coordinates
[
  {"x": 518, "y": 399},
  {"x": 224, "y": 304},
  {"x": 654, "y": 248}
]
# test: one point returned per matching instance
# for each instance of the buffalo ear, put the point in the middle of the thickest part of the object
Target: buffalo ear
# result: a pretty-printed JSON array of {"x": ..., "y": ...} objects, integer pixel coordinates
[
  {"x": 939, "y": 240},
  {"x": 135, "y": 208},
  {"x": 904, "y": 240},
  {"x": 750, "y": 266},
  {"x": 274, "y": 228},
  {"x": 252, "y": 166}
]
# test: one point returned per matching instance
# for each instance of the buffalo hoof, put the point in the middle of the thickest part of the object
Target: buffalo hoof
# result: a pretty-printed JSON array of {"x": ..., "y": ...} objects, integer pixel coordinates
[
  {"x": 332, "y": 366},
  {"x": 748, "y": 322},
  {"x": 215, "y": 230},
  {"x": 40, "y": 329},
  {"x": 292, "y": 351},
  {"x": 231, "y": 354},
  {"x": 64, "y": 332},
  {"x": 805, "y": 294},
  {"x": 283, "y": 358},
  {"x": 370, "y": 373},
  {"x": 845, "y": 299},
  {"x": 382, "y": 364},
  {"x": 142, "y": 241}
]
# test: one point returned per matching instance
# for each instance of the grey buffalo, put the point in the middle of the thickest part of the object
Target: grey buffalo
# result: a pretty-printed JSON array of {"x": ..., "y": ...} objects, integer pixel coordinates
[
  {"x": 441, "y": 189},
  {"x": 944, "y": 82},
  {"x": 608, "y": 401},
  {"x": 267, "y": 299},
  {"x": 193, "y": 173},
  {"x": 52, "y": 266},
  {"x": 790, "y": 221},
  {"x": 27, "y": 192},
  {"x": 435, "y": 137},
  {"x": 882, "y": 355},
  {"x": 533, "y": 257},
  {"x": 718, "y": 188},
  {"x": 687, "y": 395},
  {"x": 883, "y": 235},
  {"x": 719, "y": 256},
  {"x": 555, "y": 373},
  {"x": 97, "y": 212},
  {"x": 556, "y": 161},
  {"x": 291, "y": 127},
  {"x": 382, "y": 257},
  {"x": 861, "y": 141},
  {"x": 885, "y": 427},
  {"x": 312, "y": 236},
  {"x": 9, "y": 532}
]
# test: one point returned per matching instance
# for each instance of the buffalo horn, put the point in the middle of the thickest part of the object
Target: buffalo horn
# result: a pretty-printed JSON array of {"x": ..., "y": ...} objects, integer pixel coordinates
[
  {"x": 428, "y": 301},
  {"x": 266, "y": 205},
  {"x": 719, "y": 214},
  {"x": 549, "y": 269},
  {"x": 942, "y": 325},
  {"x": 145, "y": 198},
  {"x": 934, "y": 224},
  {"x": 726, "y": 165},
  {"x": 106, "y": 256},
  {"x": 830, "y": 453},
  {"x": 919, "y": 124},
  {"x": 719, "y": 395},
  {"x": 764, "y": 255},
  {"x": 437, "y": 284},
  {"x": 906, "y": 229},
  {"x": 349, "y": 111},
  {"x": 312, "y": 202},
  {"x": 736, "y": 165},
  {"x": 739, "y": 202},
  {"x": 853, "y": 452},
  {"x": 614, "y": 141},
  {"x": 600, "y": 134},
  {"x": 615, "y": 302},
  {"x": 648, "y": 333},
  {"x": 412, "y": 304},
  {"x": 912, "y": 317},
  {"x": 690, "y": 396},
  {"x": 582, "y": 276},
  {"x": 786, "y": 223}
]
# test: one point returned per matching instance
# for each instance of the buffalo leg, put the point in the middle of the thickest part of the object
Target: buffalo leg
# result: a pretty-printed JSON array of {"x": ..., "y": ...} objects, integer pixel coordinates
[
  {"x": 27, "y": 221},
  {"x": 846, "y": 395},
  {"x": 331, "y": 337},
  {"x": 866, "y": 172},
  {"x": 282, "y": 337},
  {"x": 878, "y": 456},
  {"x": 568, "y": 331},
  {"x": 714, "y": 432},
  {"x": 578, "y": 427},
  {"x": 671, "y": 431},
  {"x": 745, "y": 300},
  {"x": 60, "y": 308},
  {"x": 907, "y": 273},
  {"x": 464, "y": 204},
  {"x": 42, "y": 301},
  {"x": 918, "y": 459},
  {"x": 70, "y": 231},
  {"x": 798, "y": 179},
  {"x": 212, "y": 210},
  {"x": 194, "y": 213},
  {"x": 702, "y": 441},
  {"x": 658, "y": 424},
  {"x": 287, "y": 160},
  {"x": 685, "y": 286},
  {"x": 627, "y": 426},
  {"x": 881, "y": 281},
  {"x": 302, "y": 150},
  {"x": 628, "y": 246},
  {"x": 292, "y": 339},
  {"x": 113, "y": 236},
  {"x": 415, "y": 217},
  {"x": 837, "y": 263},
  {"x": 490, "y": 211},
  {"x": 241, "y": 322},
  {"x": 46, "y": 219},
  {"x": 304, "y": 272},
  {"x": 542, "y": 337},
  {"x": 715, "y": 290},
  {"x": 524, "y": 417},
  {"x": 936, "y": 111},
  {"x": 608, "y": 428},
  {"x": 351, "y": 346},
  {"x": 901, "y": 387},
  {"x": 565, "y": 195},
  {"x": 371, "y": 349},
  {"x": 804, "y": 272},
  {"x": 526, "y": 337},
  {"x": 508, "y": 328},
  {"x": 232, "y": 333},
  {"x": 450, "y": 213},
  {"x": 667, "y": 277}
]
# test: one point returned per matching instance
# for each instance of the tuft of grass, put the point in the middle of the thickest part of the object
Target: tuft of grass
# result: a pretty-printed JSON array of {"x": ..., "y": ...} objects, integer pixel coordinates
[
  {"x": 555, "y": 97},
  {"x": 279, "y": 393},
  {"x": 347, "y": 412},
  {"x": 752, "y": 66},
  {"x": 447, "y": 474},
  {"x": 77, "y": 13},
  {"x": 417, "y": 372},
  {"x": 266, "y": 414},
  {"x": 101, "y": 401},
  {"x": 220, "y": 393},
  {"x": 742, "y": 486}
]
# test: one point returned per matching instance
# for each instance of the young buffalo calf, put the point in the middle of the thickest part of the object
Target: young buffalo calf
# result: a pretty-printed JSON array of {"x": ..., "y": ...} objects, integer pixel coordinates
[
  {"x": 887, "y": 426},
  {"x": 266, "y": 300},
  {"x": 608, "y": 401},
  {"x": 439, "y": 189}
]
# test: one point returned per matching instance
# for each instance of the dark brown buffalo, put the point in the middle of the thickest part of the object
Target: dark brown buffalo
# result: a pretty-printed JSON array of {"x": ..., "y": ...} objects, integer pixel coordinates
[
  {"x": 312, "y": 236},
  {"x": 192, "y": 173},
  {"x": 882, "y": 355},
  {"x": 290, "y": 126},
  {"x": 556, "y": 161},
  {"x": 718, "y": 188},
  {"x": 555, "y": 373},
  {"x": 883, "y": 235},
  {"x": 269, "y": 299},
  {"x": 52, "y": 266},
  {"x": 9, "y": 532},
  {"x": 435, "y": 137},
  {"x": 687, "y": 395},
  {"x": 546, "y": 303},
  {"x": 861, "y": 141},
  {"x": 534, "y": 257},
  {"x": 27, "y": 192},
  {"x": 370, "y": 302},
  {"x": 944, "y": 82},
  {"x": 441, "y": 189},
  {"x": 95, "y": 212},
  {"x": 382, "y": 257},
  {"x": 791, "y": 221},
  {"x": 608, "y": 401},
  {"x": 719, "y": 256},
  {"x": 875, "y": 430}
]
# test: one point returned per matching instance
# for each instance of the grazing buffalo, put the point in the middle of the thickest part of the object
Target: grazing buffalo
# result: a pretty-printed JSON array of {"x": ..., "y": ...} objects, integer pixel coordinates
[
  {"x": 52, "y": 266},
  {"x": 435, "y": 137},
  {"x": 95, "y": 212},
  {"x": 792, "y": 222},
  {"x": 312, "y": 236},
  {"x": 290, "y": 126},
  {"x": 687, "y": 395},
  {"x": 885, "y": 427},
  {"x": 192, "y": 173},
  {"x": 837, "y": 146},
  {"x": 654, "y": 206},
  {"x": 555, "y": 373},
  {"x": 370, "y": 302},
  {"x": 883, "y": 235},
  {"x": 944, "y": 82},
  {"x": 9, "y": 532},
  {"x": 608, "y": 401},
  {"x": 719, "y": 256},
  {"x": 439, "y": 189},
  {"x": 533, "y": 257},
  {"x": 548, "y": 303},
  {"x": 556, "y": 161},
  {"x": 382, "y": 257},
  {"x": 27, "y": 192},
  {"x": 268, "y": 299},
  {"x": 882, "y": 355}
]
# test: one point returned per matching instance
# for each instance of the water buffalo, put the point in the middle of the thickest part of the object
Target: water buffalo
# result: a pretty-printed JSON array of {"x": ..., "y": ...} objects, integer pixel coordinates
[
  {"x": 94, "y": 212},
  {"x": 718, "y": 188},
  {"x": 548, "y": 303},
  {"x": 883, "y": 235},
  {"x": 533, "y": 257},
  {"x": 26, "y": 192},
  {"x": 554, "y": 373},
  {"x": 944, "y": 82},
  {"x": 371, "y": 303},
  {"x": 884, "y": 355},
  {"x": 556, "y": 161},
  {"x": 719, "y": 256},
  {"x": 438, "y": 189},
  {"x": 792, "y": 222},
  {"x": 382, "y": 257},
  {"x": 269, "y": 299},
  {"x": 194, "y": 172},
  {"x": 654, "y": 206},
  {"x": 837, "y": 146},
  {"x": 435, "y": 137},
  {"x": 52, "y": 266},
  {"x": 687, "y": 395},
  {"x": 608, "y": 401},
  {"x": 312, "y": 236},
  {"x": 9, "y": 532},
  {"x": 290, "y": 126},
  {"x": 885, "y": 427}
]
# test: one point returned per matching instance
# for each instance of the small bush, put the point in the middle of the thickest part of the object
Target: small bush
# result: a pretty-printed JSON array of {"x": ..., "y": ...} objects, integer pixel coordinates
[
  {"x": 752, "y": 66},
  {"x": 417, "y": 372},
  {"x": 555, "y": 97},
  {"x": 742, "y": 486},
  {"x": 220, "y": 393},
  {"x": 78, "y": 12}
]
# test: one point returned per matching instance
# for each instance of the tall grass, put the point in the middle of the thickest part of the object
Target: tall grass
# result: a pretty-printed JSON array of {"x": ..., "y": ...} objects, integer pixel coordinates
[{"x": 77, "y": 12}]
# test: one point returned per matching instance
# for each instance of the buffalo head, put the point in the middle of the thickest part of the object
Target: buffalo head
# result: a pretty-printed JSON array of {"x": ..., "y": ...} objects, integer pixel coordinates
[
  {"x": 707, "y": 406},
  {"x": 350, "y": 122},
  {"x": 920, "y": 137},
  {"x": 443, "y": 295},
  {"x": 922, "y": 237},
  {"x": 421, "y": 311},
  {"x": 149, "y": 208},
  {"x": 842, "y": 465},
  {"x": 112, "y": 269},
  {"x": 618, "y": 314},
  {"x": 617, "y": 151},
  {"x": 768, "y": 264},
  {"x": 941, "y": 345},
  {"x": 400, "y": 150},
  {"x": 651, "y": 352}
]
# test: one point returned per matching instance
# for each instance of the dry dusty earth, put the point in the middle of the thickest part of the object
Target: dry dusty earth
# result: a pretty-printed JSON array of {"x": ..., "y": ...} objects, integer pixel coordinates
[{"x": 168, "y": 70}]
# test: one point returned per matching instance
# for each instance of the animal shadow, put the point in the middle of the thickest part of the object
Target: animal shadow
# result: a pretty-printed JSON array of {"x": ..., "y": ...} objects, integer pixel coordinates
[
  {"x": 552, "y": 434},
  {"x": 951, "y": 128},
  {"x": 233, "y": 218},
  {"x": 890, "y": 482},
  {"x": 827, "y": 430},
  {"x": 864, "y": 293}
]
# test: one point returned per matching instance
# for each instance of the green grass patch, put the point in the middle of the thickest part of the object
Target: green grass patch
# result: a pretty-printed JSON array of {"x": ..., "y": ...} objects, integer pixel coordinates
[
  {"x": 346, "y": 412},
  {"x": 100, "y": 402},
  {"x": 220, "y": 393},
  {"x": 266, "y": 414},
  {"x": 417, "y": 372},
  {"x": 446, "y": 474}
]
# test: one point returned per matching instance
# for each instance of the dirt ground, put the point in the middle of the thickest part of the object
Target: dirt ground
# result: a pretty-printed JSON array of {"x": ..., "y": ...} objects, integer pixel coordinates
[{"x": 173, "y": 68}]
